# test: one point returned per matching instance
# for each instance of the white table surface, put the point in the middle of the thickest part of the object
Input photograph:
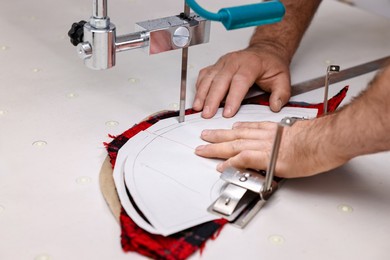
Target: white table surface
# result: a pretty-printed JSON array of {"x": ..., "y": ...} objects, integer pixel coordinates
[{"x": 55, "y": 114}]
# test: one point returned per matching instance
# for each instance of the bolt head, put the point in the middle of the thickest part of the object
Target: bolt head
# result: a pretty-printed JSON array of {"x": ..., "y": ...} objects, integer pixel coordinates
[
  {"x": 84, "y": 50},
  {"x": 181, "y": 37}
]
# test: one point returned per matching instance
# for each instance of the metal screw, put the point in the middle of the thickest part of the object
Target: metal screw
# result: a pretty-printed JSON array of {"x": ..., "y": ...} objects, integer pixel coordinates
[
  {"x": 243, "y": 178},
  {"x": 181, "y": 37},
  {"x": 84, "y": 50}
]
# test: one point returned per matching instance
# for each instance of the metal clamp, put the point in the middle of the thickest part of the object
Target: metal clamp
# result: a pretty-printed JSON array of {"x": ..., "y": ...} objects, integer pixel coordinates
[
  {"x": 247, "y": 190},
  {"x": 100, "y": 43},
  {"x": 329, "y": 71}
]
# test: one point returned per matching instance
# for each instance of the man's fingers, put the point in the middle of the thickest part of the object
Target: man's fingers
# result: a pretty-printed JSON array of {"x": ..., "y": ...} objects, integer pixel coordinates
[
  {"x": 270, "y": 126},
  {"x": 247, "y": 159},
  {"x": 205, "y": 78},
  {"x": 228, "y": 143},
  {"x": 239, "y": 86},
  {"x": 225, "y": 135},
  {"x": 280, "y": 93},
  {"x": 218, "y": 89},
  {"x": 227, "y": 149}
]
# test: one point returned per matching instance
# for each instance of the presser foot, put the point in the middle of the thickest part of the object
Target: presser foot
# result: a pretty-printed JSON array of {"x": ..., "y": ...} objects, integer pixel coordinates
[{"x": 242, "y": 197}]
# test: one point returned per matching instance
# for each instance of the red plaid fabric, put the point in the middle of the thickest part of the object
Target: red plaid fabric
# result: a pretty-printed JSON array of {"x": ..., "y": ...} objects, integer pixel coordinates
[{"x": 182, "y": 244}]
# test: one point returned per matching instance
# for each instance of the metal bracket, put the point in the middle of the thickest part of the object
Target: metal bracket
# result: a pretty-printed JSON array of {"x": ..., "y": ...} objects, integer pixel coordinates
[
  {"x": 247, "y": 190},
  {"x": 329, "y": 71},
  {"x": 100, "y": 43},
  {"x": 175, "y": 32}
]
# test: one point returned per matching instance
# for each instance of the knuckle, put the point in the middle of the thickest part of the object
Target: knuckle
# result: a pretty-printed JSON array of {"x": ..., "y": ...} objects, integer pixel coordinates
[
  {"x": 207, "y": 72},
  {"x": 246, "y": 156},
  {"x": 233, "y": 55},
  {"x": 199, "y": 87},
  {"x": 268, "y": 125},
  {"x": 239, "y": 78},
  {"x": 252, "y": 159},
  {"x": 237, "y": 145}
]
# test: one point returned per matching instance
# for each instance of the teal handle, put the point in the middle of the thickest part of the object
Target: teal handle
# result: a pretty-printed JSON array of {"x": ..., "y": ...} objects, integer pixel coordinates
[{"x": 243, "y": 16}]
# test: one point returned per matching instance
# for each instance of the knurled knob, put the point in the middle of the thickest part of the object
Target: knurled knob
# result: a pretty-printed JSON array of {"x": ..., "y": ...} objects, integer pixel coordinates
[{"x": 76, "y": 33}]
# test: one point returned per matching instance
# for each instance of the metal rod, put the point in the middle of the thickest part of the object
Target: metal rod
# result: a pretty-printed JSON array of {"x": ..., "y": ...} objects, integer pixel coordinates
[
  {"x": 326, "y": 90},
  {"x": 331, "y": 69},
  {"x": 187, "y": 9},
  {"x": 274, "y": 155},
  {"x": 287, "y": 121},
  {"x": 183, "y": 85},
  {"x": 131, "y": 41},
  {"x": 99, "y": 9}
]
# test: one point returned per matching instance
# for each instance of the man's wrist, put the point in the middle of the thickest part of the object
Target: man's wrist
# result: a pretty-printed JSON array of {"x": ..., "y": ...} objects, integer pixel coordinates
[{"x": 271, "y": 47}]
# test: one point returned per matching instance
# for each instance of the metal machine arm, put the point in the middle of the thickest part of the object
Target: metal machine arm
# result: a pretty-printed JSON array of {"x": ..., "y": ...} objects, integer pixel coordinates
[{"x": 97, "y": 43}]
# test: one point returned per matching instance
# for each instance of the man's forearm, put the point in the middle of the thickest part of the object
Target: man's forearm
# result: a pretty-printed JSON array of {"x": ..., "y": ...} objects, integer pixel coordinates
[
  {"x": 361, "y": 127},
  {"x": 287, "y": 34},
  {"x": 364, "y": 125}
]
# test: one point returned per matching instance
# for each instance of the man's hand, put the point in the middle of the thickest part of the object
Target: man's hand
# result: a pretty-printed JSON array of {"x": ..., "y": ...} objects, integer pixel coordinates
[
  {"x": 236, "y": 72},
  {"x": 249, "y": 145},
  {"x": 265, "y": 62}
]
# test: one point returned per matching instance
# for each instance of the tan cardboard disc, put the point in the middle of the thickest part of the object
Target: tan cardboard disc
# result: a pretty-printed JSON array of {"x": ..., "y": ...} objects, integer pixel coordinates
[{"x": 107, "y": 187}]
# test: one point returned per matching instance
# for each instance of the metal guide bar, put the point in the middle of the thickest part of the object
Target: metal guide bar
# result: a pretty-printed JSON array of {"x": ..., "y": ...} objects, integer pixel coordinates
[
  {"x": 344, "y": 74},
  {"x": 183, "y": 82}
]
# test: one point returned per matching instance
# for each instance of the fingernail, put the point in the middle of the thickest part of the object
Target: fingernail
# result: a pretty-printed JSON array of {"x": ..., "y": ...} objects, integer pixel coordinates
[
  {"x": 227, "y": 111},
  {"x": 205, "y": 133},
  {"x": 219, "y": 167},
  {"x": 206, "y": 111},
  {"x": 200, "y": 147},
  {"x": 236, "y": 124},
  {"x": 278, "y": 105},
  {"x": 196, "y": 104}
]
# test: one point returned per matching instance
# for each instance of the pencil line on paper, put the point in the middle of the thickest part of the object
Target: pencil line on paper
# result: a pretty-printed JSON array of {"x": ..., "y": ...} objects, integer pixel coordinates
[{"x": 173, "y": 179}]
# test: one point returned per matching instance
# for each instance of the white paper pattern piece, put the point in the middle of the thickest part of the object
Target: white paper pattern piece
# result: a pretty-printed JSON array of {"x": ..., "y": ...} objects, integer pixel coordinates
[{"x": 169, "y": 184}]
